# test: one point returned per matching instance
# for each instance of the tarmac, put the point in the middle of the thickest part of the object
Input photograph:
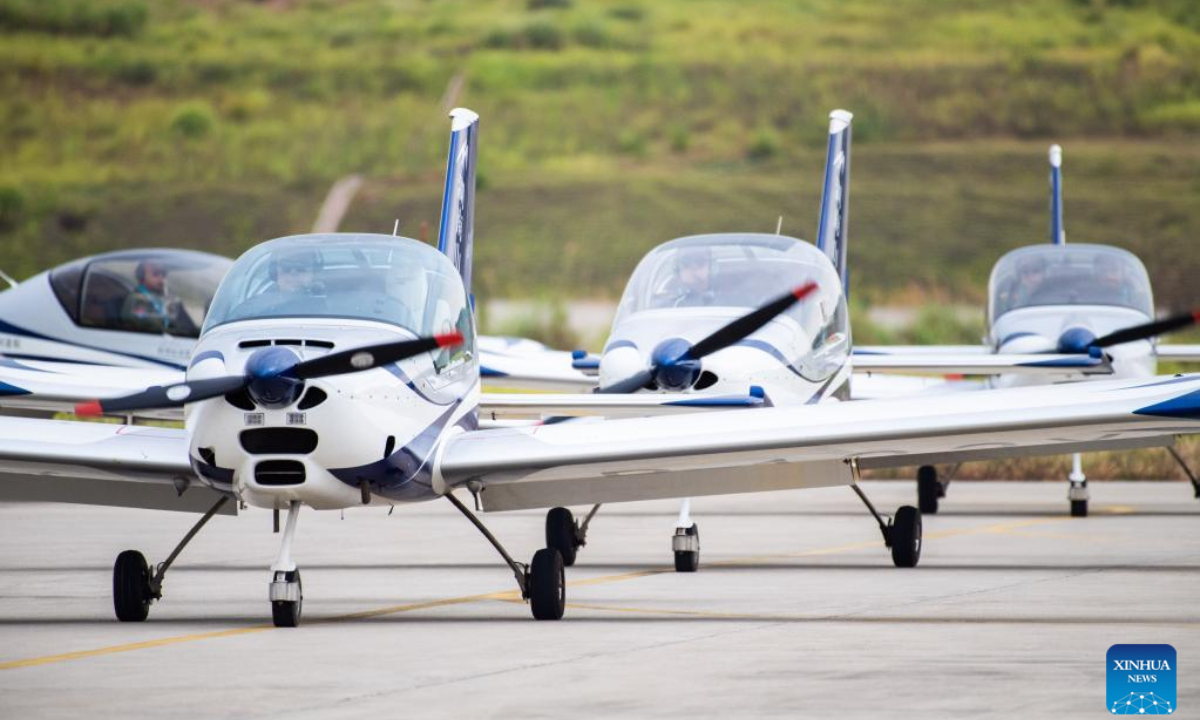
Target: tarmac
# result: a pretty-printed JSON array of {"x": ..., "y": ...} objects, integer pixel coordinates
[{"x": 796, "y": 611}]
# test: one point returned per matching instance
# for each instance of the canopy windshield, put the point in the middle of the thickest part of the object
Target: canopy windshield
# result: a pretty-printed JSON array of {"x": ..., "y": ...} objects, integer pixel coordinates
[
  {"x": 362, "y": 277},
  {"x": 1071, "y": 274},
  {"x": 742, "y": 272}
]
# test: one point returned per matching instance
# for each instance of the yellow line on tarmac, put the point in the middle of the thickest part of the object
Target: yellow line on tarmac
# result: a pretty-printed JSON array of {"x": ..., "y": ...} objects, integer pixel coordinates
[{"x": 513, "y": 596}]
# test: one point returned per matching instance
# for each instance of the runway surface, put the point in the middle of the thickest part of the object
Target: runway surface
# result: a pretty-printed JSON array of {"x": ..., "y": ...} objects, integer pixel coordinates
[{"x": 796, "y": 611}]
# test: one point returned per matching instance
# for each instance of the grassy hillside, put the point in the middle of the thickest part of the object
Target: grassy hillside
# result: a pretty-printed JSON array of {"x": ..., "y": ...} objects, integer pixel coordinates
[{"x": 608, "y": 127}]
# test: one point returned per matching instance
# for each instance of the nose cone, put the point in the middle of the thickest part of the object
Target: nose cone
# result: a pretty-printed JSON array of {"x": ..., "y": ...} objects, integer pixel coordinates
[
  {"x": 673, "y": 369},
  {"x": 271, "y": 385},
  {"x": 1076, "y": 340}
]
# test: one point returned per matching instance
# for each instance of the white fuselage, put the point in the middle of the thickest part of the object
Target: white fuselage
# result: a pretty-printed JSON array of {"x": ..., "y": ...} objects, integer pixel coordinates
[{"x": 380, "y": 427}]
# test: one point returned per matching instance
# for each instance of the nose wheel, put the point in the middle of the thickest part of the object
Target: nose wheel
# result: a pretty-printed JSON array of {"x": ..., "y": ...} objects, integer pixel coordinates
[{"x": 287, "y": 599}]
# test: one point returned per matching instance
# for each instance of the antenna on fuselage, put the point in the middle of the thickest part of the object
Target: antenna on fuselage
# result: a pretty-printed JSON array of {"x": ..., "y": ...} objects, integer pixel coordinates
[
  {"x": 1058, "y": 236},
  {"x": 779, "y": 226},
  {"x": 396, "y": 228}
]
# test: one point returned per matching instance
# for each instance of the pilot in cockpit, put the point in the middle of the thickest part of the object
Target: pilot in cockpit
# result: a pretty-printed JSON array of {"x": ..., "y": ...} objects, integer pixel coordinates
[
  {"x": 1031, "y": 277},
  {"x": 692, "y": 283},
  {"x": 151, "y": 307},
  {"x": 294, "y": 288}
]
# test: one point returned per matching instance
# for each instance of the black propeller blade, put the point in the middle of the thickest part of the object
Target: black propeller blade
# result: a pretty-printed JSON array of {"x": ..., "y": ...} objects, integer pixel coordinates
[
  {"x": 167, "y": 396},
  {"x": 365, "y": 358},
  {"x": 1148, "y": 330},
  {"x": 730, "y": 334},
  {"x": 339, "y": 363}
]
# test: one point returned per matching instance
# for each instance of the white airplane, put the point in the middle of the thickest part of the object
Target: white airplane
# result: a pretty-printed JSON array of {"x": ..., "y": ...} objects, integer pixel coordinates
[
  {"x": 687, "y": 288},
  {"x": 389, "y": 414},
  {"x": 1049, "y": 301}
]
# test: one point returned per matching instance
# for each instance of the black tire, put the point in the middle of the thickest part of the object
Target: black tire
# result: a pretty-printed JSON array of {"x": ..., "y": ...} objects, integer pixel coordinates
[
  {"x": 928, "y": 489},
  {"x": 131, "y": 587},
  {"x": 547, "y": 585},
  {"x": 1079, "y": 508},
  {"x": 905, "y": 535},
  {"x": 687, "y": 560},
  {"x": 286, "y": 613},
  {"x": 560, "y": 534}
]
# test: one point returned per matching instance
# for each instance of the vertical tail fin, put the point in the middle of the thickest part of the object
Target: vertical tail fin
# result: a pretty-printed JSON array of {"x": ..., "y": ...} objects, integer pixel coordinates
[
  {"x": 835, "y": 197},
  {"x": 1058, "y": 236},
  {"x": 457, "y": 231}
]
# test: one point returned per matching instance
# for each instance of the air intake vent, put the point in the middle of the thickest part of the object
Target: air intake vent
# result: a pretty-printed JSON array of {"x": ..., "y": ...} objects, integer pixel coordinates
[
  {"x": 312, "y": 398},
  {"x": 254, "y": 343},
  {"x": 265, "y": 342},
  {"x": 278, "y": 441},
  {"x": 279, "y": 472}
]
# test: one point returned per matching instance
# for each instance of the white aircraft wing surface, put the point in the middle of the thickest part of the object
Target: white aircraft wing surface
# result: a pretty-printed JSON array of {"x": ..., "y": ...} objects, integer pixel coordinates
[
  {"x": 57, "y": 386},
  {"x": 550, "y": 370},
  {"x": 497, "y": 406},
  {"x": 99, "y": 464},
  {"x": 983, "y": 364},
  {"x": 921, "y": 350},
  {"x": 1179, "y": 353},
  {"x": 787, "y": 447}
]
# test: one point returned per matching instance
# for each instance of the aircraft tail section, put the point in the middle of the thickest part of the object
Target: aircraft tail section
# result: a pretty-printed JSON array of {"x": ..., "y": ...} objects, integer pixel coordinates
[
  {"x": 835, "y": 197},
  {"x": 1058, "y": 236},
  {"x": 456, "y": 233}
]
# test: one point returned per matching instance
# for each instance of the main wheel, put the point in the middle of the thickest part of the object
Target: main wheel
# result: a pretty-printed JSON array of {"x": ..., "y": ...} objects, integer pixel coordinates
[
  {"x": 905, "y": 535},
  {"x": 547, "y": 585},
  {"x": 561, "y": 535},
  {"x": 131, "y": 587},
  {"x": 689, "y": 560},
  {"x": 928, "y": 489},
  {"x": 286, "y": 613},
  {"x": 1079, "y": 508}
]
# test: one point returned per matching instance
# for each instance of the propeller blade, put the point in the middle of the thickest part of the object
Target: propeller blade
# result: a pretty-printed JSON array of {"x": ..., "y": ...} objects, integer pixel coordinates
[
  {"x": 748, "y": 324},
  {"x": 164, "y": 396},
  {"x": 633, "y": 383},
  {"x": 1148, "y": 330},
  {"x": 370, "y": 356}
]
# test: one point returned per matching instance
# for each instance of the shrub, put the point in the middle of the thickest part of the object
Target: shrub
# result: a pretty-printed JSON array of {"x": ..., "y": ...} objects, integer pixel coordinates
[
  {"x": 544, "y": 4},
  {"x": 194, "y": 120},
  {"x": 12, "y": 207},
  {"x": 74, "y": 17},
  {"x": 764, "y": 145},
  {"x": 543, "y": 36}
]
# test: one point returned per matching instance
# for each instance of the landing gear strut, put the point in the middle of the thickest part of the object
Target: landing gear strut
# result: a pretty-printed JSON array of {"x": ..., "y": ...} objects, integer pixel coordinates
[
  {"x": 565, "y": 534},
  {"x": 542, "y": 582},
  {"x": 1191, "y": 476},
  {"x": 685, "y": 543},
  {"x": 134, "y": 587},
  {"x": 901, "y": 533},
  {"x": 286, "y": 591},
  {"x": 1078, "y": 492},
  {"x": 929, "y": 490}
]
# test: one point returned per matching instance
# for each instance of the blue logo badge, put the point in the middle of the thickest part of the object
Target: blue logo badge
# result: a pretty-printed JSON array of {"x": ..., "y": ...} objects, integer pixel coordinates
[{"x": 1141, "y": 680}]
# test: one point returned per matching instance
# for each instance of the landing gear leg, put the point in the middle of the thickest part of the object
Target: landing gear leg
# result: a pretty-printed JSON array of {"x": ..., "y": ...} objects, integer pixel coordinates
[
  {"x": 901, "y": 533},
  {"x": 685, "y": 543},
  {"x": 566, "y": 535},
  {"x": 929, "y": 489},
  {"x": 542, "y": 582},
  {"x": 286, "y": 591},
  {"x": 1186, "y": 470},
  {"x": 134, "y": 587},
  {"x": 1078, "y": 493}
]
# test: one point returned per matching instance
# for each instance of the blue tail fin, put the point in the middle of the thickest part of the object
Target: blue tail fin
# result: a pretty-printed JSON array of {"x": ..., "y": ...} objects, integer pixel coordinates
[
  {"x": 835, "y": 198},
  {"x": 1058, "y": 236},
  {"x": 457, "y": 231}
]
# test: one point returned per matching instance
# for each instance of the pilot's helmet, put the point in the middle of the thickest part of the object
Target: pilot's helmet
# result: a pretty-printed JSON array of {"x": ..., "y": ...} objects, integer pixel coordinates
[
  {"x": 694, "y": 257},
  {"x": 295, "y": 260}
]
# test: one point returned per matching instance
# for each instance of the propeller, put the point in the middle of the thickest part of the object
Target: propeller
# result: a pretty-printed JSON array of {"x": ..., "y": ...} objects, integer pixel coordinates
[
  {"x": 675, "y": 363},
  {"x": 274, "y": 376},
  {"x": 1081, "y": 340}
]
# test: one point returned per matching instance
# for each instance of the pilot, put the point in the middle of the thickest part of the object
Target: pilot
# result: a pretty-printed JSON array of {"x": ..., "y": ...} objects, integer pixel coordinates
[
  {"x": 1031, "y": 276},
  {"x": 295, "y": 289},
  {"x": 693, "y": 278},
  {"x": 295, "y": 272},
  {"x": 149, "y": 308}
]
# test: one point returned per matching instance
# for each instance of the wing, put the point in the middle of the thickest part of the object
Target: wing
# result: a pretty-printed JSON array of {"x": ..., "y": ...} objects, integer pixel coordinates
[
  {"x": 1178, "y": 353},
  {"x": 809, "y": 446},
  {"x": 50, "y": 387},
  {"x": 99, "y": 464},
  {"x": 860, "y": 350},
  {"x": 550, "y": 370},
  {"x": 882, "y": 386},
  {"x": 983, "y": 364},
  {"x": 495, "y": 406}
]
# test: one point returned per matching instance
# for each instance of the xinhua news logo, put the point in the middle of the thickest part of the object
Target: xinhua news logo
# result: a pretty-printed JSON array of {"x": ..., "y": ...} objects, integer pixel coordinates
[{"x": 1141, "y": 680}]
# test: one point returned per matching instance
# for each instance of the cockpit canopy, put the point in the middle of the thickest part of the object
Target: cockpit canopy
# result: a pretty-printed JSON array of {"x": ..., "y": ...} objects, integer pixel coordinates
[
  {"x": 742, "y": 271},
  {"x": 380, "y": 278},
  {"x": 1071, "y": 274},
  {"x": 147, "y": 291}
]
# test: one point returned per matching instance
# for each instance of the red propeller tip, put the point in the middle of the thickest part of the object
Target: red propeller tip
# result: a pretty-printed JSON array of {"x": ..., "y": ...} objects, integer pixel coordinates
[
  {"x": 803, "y": 291},
  {"x": 449, "y": 339},
  {"x": 89, "y": 408}
]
